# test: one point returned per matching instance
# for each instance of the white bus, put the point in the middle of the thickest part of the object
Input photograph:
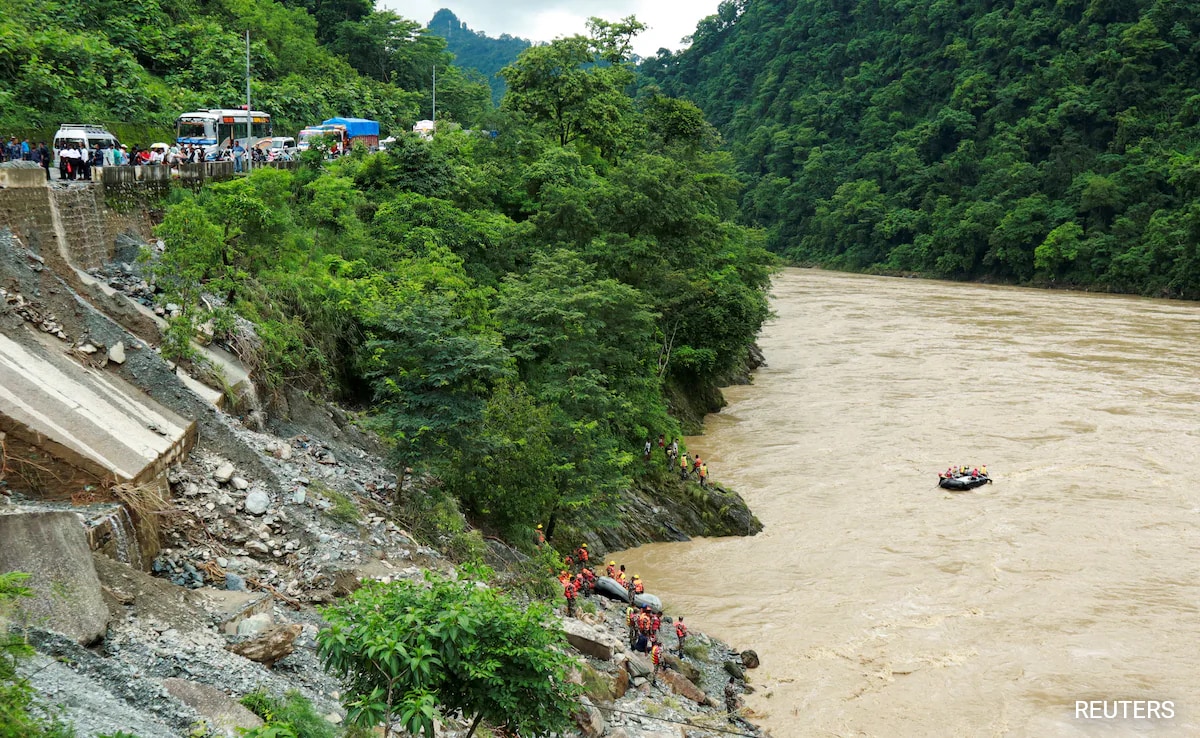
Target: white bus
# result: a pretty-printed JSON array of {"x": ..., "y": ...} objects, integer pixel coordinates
[{"x": 218, "y": 128}]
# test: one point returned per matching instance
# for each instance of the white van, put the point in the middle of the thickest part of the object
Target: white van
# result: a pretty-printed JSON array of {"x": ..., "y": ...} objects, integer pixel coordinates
[{"x": 84, "y": 135}]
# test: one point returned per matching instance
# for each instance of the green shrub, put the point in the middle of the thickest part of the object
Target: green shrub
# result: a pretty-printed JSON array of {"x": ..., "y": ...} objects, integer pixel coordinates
[
  {"x": 292, "y": 716},
  {"x": 20, "y": 714},
  {"x": 344, "y": 510},
  {"x": 411, "y": 651}
]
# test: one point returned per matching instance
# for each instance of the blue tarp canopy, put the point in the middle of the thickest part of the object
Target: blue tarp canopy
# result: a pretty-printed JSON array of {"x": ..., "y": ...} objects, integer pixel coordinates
[{"x": 355, "y": 126}]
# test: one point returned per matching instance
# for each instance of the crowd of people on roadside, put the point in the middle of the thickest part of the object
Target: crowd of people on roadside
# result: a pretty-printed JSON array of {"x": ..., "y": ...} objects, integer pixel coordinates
[
  {"x": 76, "y": 161},
  {"x": 38, "y": 153}
]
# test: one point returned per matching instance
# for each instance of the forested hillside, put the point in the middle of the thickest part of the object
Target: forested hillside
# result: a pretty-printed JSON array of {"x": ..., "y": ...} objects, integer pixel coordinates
[
  {"x": 1033, "y": 142},
  {"x": 135, "y": 66},
  {"x": 514, "y": 308},
  {"x": 475, "y": 50}
]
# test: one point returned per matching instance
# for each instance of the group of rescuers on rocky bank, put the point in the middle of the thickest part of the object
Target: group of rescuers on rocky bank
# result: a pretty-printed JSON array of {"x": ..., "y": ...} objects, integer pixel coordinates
[{"x": 644, "y": 624}]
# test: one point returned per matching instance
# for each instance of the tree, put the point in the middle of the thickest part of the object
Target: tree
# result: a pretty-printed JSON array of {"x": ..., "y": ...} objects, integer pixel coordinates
[
  {"x": 574, "y": 88},
  {"x": 431, "y": 371},
  {"x": 407, "y": 648}
]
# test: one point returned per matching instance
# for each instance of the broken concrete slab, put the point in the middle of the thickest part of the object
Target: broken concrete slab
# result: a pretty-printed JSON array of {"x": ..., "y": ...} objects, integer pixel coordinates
[
  {"x": 53, "y": 549},
  {"x": 68, "y": 426},
  {"x": 589, "y": 641},
  {"x": 224, "y": 715}
]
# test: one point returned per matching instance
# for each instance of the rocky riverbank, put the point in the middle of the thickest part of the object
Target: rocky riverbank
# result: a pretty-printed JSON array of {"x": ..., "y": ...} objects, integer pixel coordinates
[{"x": 276, "y": 512}]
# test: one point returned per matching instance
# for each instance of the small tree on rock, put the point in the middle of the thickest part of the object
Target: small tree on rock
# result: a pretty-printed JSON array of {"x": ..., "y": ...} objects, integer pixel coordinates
[{"x": 407, "y": 648}]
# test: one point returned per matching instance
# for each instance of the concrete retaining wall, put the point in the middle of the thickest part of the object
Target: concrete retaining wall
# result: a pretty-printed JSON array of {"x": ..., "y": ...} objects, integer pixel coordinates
[{"x": 12, "y": 177}]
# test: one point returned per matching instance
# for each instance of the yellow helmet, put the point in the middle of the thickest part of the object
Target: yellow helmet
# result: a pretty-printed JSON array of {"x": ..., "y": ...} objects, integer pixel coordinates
[
  {"x": 612, "y": 563},
  {"x": 635, "y": 576},
  {"x": 539, "y": 525},
  {"x": 583, "y": 545}
]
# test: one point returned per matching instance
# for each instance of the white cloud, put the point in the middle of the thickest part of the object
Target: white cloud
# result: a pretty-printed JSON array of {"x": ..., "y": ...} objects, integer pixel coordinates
[{"x": 543, "y": 20}]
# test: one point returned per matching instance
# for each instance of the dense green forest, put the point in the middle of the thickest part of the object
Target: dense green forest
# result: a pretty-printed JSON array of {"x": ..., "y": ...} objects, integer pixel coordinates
[
  {"x": 475, "y": 50},
  {"x": 1032, "y": 141},
  {"x": 136, "y": 65}
]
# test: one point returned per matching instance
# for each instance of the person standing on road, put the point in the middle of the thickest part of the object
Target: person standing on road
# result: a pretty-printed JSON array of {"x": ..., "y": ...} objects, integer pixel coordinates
[
  {"x": 44, "y": 151},
  {"x": 239, "y": 154}
]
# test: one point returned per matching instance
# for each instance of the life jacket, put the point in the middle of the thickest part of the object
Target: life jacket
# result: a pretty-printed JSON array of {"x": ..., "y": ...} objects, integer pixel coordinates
[
  {"x": 569, "y": 562},
  {"x": 541, "y": 537},
  {"x": 655, "y": 623},
  {"x": 696, "y": 464},
  {"x": 638, "y": 588},
  {"x": 589, "y": 577},
  {"x": 630, "y": 614},
  {"x": 680, "y": 630},
  {"x": 704, "y": 470},
  {"x": 569, "y": 590},
  {"x": 611, "y": 571},
  {"x": 643, "y": 623},
  {"x": 656, "y": 653},
  {"x": 582, "y": 555}
]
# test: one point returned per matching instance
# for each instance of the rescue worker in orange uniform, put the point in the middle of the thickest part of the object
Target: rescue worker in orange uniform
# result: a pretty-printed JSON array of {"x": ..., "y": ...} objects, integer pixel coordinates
[
  {"x": 569, "y": 591},
  {"x": 656, "y": 657},
  {"x": 680, "y": 633},
  {"x": 539, "y": 536},
  {"x": 581, "y": 554},
  {"x": 611, "y": 571},
  {"x": 638, "y": 587}
]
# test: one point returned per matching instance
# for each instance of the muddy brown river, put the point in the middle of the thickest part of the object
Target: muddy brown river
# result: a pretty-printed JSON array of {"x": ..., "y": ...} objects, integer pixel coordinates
[{"x": 884, "y": 606}]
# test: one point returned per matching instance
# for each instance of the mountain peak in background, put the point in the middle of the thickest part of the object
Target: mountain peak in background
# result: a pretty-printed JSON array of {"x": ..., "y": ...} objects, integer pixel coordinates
[{"x": 476, "y": 50}]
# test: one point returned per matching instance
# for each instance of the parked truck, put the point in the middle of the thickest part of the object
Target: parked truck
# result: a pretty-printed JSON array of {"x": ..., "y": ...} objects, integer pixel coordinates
[{"x": 344, "y": 132}]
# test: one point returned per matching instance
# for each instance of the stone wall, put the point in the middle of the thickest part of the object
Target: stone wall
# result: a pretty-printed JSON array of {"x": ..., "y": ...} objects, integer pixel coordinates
[{"x": 121, "y": 200}]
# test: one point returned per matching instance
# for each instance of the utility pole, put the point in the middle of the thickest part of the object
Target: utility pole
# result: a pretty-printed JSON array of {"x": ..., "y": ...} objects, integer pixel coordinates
[
  {"x": 434, "y": 118},
  {"x": 249, "y": 116}
]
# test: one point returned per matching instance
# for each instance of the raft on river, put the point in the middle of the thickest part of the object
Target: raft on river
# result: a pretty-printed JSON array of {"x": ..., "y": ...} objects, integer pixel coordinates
[
  {"x": 961, "y": 482},
  {"x": 613, "y": 590}
]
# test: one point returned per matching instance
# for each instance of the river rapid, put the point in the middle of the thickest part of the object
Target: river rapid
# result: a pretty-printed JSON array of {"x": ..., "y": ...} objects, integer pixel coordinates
[{"x": 884, "y": 606}]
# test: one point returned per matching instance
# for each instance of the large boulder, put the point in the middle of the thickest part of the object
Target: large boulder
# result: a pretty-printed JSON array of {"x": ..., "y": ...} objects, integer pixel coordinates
[
  {"x": 638, "y": 665},
  {"x": 223, "y": 715},
  {"x": 269, "y": 647},
  {"x": 686, "y": 668},
  {"x": 589, "y": 719},
  {"x": 52, "y": 547},
  {"x": 680, "y": 685},
  {"x": 750, "y": 659},
  {"x": 620, "y": 684},
  {"x": 589, "y": 641}
]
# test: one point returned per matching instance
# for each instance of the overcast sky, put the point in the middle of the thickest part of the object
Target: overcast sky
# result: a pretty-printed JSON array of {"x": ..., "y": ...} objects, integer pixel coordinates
[{"x": 544, "y": 20}]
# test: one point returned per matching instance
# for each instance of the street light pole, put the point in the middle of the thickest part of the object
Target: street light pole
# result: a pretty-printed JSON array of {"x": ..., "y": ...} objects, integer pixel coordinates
[{"x": 249, "y": 115}]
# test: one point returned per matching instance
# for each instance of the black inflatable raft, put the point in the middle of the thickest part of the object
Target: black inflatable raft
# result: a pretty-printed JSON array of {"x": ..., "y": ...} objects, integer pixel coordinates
[
  {"x": 613, "y": 590},
  {"x": 962, "y": 482}
]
